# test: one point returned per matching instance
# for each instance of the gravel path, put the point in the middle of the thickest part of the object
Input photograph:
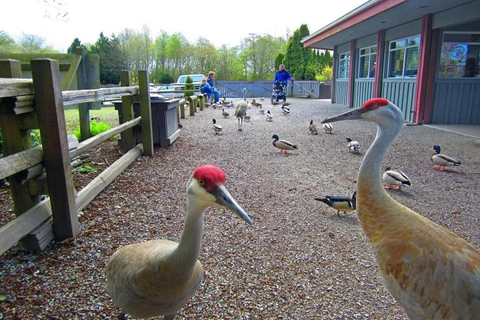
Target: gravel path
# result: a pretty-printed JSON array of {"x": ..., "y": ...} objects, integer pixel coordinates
[{"x": 298, "y": 261}]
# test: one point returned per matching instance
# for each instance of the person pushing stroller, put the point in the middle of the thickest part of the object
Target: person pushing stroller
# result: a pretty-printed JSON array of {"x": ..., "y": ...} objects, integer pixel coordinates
[{"x": 280, "y": 84}]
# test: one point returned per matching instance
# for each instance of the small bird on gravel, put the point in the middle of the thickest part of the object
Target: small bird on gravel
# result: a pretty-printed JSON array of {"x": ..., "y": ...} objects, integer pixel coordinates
[
  {"x": 269, "y": 116},
  {"x": 328, "y": 128},
  {"x": 340, "y": 203},
  {"x": 313, "y": 128},
  {"x": 216, "y": 127},
  {"x": 396, "y": 178},
  {"x": 225, "y": 114},
  {"x": 442, "y": 160},
  {"x": 353, "y": 146},
  {"x": 283, "y": 145}
]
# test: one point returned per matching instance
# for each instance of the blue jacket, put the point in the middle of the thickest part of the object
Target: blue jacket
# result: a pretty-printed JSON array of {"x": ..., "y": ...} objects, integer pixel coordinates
[
  {"x": 206, "y": 88},
  {"x": 210, "y": 82},
  {"x": 282, "y": 76}
]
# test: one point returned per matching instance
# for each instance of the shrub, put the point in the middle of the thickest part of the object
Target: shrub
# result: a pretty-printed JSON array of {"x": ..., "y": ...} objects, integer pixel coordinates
[
  {"x": 188, "y": 87},
  {"x": 95, "y": 128}
]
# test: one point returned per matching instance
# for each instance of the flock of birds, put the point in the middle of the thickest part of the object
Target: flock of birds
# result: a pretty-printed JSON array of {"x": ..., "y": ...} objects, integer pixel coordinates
[{"x": 430, "y": 271}]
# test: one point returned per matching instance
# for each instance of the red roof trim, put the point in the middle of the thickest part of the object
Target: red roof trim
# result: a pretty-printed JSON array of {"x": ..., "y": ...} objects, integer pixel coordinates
[{"x": 372, "y": 11}]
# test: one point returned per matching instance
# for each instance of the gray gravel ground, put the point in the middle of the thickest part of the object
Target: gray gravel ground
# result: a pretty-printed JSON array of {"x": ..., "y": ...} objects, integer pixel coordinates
[{"x": 298, "y": 261}]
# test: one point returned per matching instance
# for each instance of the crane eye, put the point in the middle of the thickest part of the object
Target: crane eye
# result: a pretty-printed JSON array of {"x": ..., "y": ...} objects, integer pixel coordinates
[{"x": 201, "y": 182}]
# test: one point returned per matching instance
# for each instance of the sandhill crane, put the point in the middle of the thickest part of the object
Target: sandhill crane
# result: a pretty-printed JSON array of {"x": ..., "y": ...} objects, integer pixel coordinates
[
  {"x": 283, "y": 145},
  {"x": 340, "y": 203},
  {"x": 396, "y": 178},
  {"x": 158, "y": 277},
  {"x": 442, "y": 160},
  {"x": 431, "y": 272},
  {"x": 240, "y": 112}
]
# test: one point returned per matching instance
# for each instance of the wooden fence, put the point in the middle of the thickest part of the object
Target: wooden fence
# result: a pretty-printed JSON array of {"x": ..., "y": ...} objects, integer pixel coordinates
[{"x": 39, "y": 102}]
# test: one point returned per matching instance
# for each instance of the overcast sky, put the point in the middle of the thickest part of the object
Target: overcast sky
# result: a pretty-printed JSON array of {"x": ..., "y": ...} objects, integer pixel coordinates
[{"x": 221, "y": 22}]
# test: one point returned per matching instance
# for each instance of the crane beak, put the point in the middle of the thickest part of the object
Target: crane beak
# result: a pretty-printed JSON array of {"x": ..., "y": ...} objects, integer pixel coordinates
[
  {"x": 349, "y": 115},
  {"x": 224, "y": 198}
]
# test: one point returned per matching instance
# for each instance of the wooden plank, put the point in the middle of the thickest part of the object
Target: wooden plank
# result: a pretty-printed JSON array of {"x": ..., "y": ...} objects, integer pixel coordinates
[
  {"x": 15, "y": 87},
  {"x": 41, "y": 237},
  {"x": 20, "y": 161},
  {"x": 87, "y": 194},
  {"x": 89, "y": 95},
  {"x": 145, "y": 112},
  {"x": 88, "y": 144},
  {"x": 128, "y": 137},
  {"x": 10, "y": 68},
  {"x": 67, "y": 81},
  {"x": 15, "y": 230},
  {"x": 51, "y": 120}
]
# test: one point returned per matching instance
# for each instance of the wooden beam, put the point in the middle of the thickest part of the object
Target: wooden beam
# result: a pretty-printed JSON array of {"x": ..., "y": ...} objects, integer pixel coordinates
[
  {"x": 80, "y": 96},
  {"x": 20, "y": 161},
  {"x": 51, "y": 119},
  {"x": 15, "y": 87},
  {"x": 72, "y": 71},
  {"x": 15, "y": 230},
  {"x": 87, "y": 194},
  {"x": 88, "y": 144},
  {"x": 145, "y": 112},
  {"x": 128, "y": 138}
]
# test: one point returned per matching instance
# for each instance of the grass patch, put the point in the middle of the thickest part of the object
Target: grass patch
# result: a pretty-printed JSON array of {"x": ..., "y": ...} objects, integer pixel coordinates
[{"x": 107, "y": 115}]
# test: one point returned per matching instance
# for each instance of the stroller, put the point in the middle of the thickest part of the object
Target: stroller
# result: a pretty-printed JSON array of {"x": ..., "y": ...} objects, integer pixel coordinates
[{"x": 279, "y": 91}]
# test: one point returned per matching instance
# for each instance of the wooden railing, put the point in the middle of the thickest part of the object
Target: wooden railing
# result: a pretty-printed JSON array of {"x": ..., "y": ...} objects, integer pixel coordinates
[{"x": 38, "y": 103}]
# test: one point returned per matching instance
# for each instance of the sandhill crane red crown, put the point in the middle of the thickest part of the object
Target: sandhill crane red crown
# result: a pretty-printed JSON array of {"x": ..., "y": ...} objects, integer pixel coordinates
[
  {"x": 431, "y": 272},
  {"x": 159, "y": 277}
]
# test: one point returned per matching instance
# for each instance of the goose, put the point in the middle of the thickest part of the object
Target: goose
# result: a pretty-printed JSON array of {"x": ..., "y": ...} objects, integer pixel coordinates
[
  {"x": 216, "y": 127},
  {"x": 283, "y": 145},
  {"x": 431, "y": 272},
  {"x": 340, "y": 203},
  {"x": 328, "y": 128},
  {"x": 441, "y": 160},
  {"x": 159, "y": 277},
  {"x": 353, "y": 146},
  {"x": 269, "y": 116},
  {"x": 397, "y": 178},
  {"x": 313, "y": 128}
]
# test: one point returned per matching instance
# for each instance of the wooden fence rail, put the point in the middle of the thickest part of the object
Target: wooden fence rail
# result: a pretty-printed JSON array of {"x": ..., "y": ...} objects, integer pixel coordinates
[{"x": 38, "y": 221}]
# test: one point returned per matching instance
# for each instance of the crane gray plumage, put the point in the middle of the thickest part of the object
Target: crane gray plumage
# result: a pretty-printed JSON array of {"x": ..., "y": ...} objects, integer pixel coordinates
[{"x": 240, "y": 112}]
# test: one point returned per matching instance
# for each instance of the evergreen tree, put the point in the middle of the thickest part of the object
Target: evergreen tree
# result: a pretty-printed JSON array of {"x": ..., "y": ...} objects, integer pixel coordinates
[
  {"x": 76, "y": 43},
  {"x": 110, "y": 56}
]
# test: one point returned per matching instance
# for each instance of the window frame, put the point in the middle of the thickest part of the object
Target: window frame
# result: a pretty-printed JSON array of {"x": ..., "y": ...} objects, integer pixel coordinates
[
  {"x": 343, "y": 60},
  {"x": 405, "y": 56},
  {"x": 372, "y": 52},
  {"x": 458, "y": 67}
]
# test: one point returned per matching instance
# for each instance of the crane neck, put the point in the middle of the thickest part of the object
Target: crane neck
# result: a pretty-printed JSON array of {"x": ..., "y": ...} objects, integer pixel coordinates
[
  {"x": 372, "y": 199},
  {"x": 187, "y": 252}
]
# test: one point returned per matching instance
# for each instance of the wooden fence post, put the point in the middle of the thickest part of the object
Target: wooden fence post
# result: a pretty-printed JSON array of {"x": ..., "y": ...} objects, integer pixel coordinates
[
  {"x": 15, "y": 139},
  {"x": 83, "y": 108},
  {"x": 51, "y": 120},
  {"x": 128, "y": 139},
  {"x": 145, "y": 112}
]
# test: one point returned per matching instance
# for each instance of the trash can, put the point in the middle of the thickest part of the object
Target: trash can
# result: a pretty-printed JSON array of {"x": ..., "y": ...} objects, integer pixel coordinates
[{"x": 164, "y": 121}]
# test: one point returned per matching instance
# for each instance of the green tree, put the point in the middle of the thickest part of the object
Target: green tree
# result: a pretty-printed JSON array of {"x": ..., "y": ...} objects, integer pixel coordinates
[
  {"x": 111, "y": 59},
  {"x": 76, "y": 43},
  {"x": 30, "y": 43},
  {"x": 294, "y": 59},
  {"x": 7, "y": 44}
]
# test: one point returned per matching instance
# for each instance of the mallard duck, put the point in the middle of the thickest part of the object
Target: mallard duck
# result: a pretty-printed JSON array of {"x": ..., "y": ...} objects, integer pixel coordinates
[
  {"x": 283, "y": 145},
  {"x": 286, "y": 104},
  {"x": 353, "y": 146},
  {"x": 216, "y": 127},
  {"x": 441, "y": 160},
  {"x": 256, "y": 104},
  {"x": 225, "y": 114},
  {"x": 246, "y": 118},
  {"x": 340, "y": 203},
  {"x": 397, "y": 178},
  {"x": 274, "y": 102},
  {"x": 430, "y": 271},
  {"x": 286, "y": 110},
  {"x": 313, "y": 128},
  {"x": 261, "y": 110},
  {"x": 269, "y": 116},
  {"x": 328, "y": 128}
]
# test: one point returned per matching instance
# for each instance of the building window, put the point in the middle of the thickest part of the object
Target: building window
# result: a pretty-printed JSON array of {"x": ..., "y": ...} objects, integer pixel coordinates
[
  {"x": 366, "y": 62},
  {"x": 460, "y": 56},
  {"x": 403, "y": 57},
  {"x": 343, "y": 65}
]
